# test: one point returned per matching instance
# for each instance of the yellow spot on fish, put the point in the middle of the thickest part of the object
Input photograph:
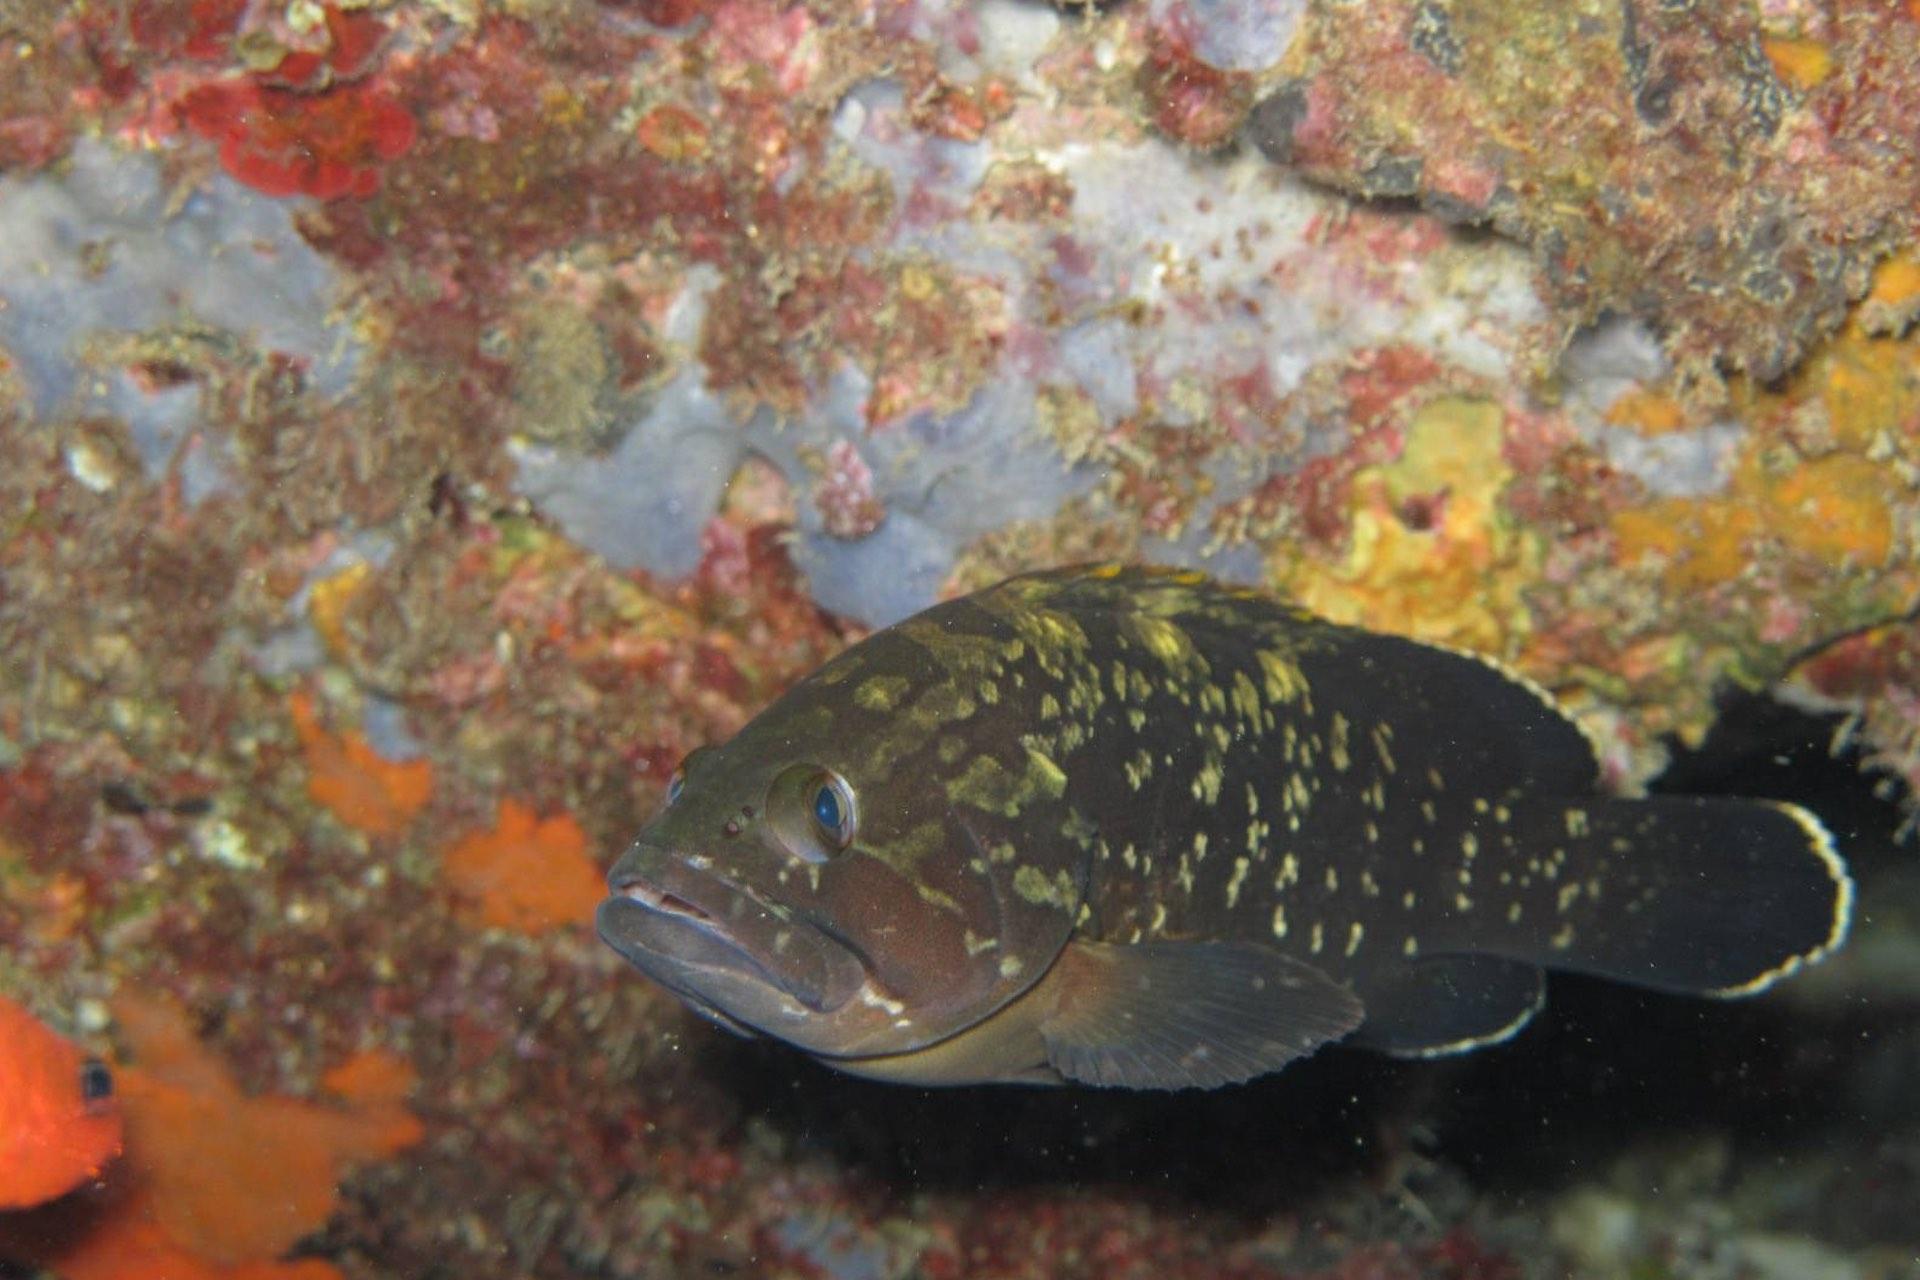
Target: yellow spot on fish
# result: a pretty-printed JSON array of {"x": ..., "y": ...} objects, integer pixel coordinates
[
  {"x": 1163, "y": 640},
  {"x": 1245, "y": 699},
  {"x": 1562, "y": 938},
  {"x": 1411, "y": 947},
  {"x": 934, "y": 896},
  {"x": 1037, "y": 890},
  {"x": 1576, "y": 823},
  {"x": 1355, "y": 932},
  {"x": 1281, "y": 677},
  {"x": 1279, "y": 920},
  {"x": 1079, "y": 828},
  {"x": 1382, "y": 735},
  {"x": 1337, "y": 752},
  {"x": 1206, "y": 783},
  {"x": 1317, "y": 939},
  {"x": 1199, "y": 846},
  {"x": 1235, "y": 880},
  {"x": 880, "y": 693},
  {"x": 1010, "y": 966},
  {"x": 988, "y": 786},
  {"x": 1049, "y": 707}
]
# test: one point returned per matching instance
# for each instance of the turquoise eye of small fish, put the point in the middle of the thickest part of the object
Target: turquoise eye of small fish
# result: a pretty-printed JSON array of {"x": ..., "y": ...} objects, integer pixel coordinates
[
  {"x": 675, "y": 785},
  {"x": 833, "y": 811}
]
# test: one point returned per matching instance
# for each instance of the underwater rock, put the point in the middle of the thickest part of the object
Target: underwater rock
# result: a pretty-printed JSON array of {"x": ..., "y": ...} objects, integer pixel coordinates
[{"x": 627, "y": 357}]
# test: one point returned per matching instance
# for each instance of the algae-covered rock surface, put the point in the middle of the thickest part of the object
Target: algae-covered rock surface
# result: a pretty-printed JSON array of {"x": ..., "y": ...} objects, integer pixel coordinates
[{"x": 424, "y": 421}]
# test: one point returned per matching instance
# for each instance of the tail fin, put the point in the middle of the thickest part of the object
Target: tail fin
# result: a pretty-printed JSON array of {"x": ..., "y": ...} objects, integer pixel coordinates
[{"x": 1709, "y": 896}]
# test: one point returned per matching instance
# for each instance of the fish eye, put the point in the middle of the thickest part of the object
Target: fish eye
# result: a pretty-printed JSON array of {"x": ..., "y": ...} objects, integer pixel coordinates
[
  {"x": 96, "y": 1082},
  {"x": 833, "y": 810},
  {"x": 812, "y": 811},
  {"x": 677, "y": 784}
]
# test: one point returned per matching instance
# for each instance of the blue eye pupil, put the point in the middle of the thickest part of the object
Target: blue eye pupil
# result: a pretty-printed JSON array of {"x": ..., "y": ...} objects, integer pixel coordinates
[{"x": 826, "y": 810}]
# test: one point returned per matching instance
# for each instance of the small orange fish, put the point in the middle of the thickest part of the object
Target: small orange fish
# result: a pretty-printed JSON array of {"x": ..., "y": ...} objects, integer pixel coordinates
[{"x": 59, "y": 1120}]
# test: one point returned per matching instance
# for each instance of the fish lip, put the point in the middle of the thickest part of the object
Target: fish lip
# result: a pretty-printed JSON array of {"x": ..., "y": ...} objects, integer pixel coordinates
[
  {"x": 671, "y": 937},
  {"x": 666, "y": 919}
]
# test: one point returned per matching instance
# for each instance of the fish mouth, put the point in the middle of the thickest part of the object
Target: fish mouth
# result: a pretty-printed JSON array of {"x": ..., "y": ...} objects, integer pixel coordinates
[{"x": 725, "y": 951}]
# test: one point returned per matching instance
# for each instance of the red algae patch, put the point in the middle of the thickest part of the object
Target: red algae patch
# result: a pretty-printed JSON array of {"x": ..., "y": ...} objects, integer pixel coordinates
[
  {"x": 355, "y": 783},
  {"x": 285, "y": 142},
  {"x": 371, "y": 1076},
  {"x": 307, "y": 125},
  {"x": 528, "y": 874},
  {"x": 218, "y": 1183},
  {"x": 142, "y": 1250},
  {"x": 237, "y": 1178}
]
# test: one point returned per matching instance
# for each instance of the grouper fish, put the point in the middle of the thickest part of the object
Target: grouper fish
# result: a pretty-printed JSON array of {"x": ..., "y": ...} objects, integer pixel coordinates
[{"x": 1133, "y": 827}]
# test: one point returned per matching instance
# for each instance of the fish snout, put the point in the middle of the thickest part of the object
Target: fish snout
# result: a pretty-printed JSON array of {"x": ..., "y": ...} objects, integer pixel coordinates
[{"x": 720, "y": 942}]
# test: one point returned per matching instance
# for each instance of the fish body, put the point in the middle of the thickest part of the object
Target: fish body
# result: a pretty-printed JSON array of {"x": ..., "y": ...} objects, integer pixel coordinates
[
  {"x": 59, "y": 1121},
  {"x": 1135, "y": 827}
]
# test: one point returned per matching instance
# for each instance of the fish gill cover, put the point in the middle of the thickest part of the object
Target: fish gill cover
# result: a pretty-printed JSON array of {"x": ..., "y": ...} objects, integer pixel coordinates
[{"x": 423, "y": 422}]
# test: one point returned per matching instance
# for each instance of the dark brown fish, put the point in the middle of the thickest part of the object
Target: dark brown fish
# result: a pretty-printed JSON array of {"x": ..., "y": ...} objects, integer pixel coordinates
[{"x": 1134, "y": 827}]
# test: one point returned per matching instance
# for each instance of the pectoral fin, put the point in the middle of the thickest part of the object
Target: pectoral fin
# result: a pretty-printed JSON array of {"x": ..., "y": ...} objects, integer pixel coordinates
[{"x": 1180, "y": 1015}]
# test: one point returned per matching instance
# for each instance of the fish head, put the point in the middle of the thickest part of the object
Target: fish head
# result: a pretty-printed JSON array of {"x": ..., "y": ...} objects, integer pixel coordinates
[
  {"x": 815, "y": 879},
  {"x": 64, "y": 1122}
]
